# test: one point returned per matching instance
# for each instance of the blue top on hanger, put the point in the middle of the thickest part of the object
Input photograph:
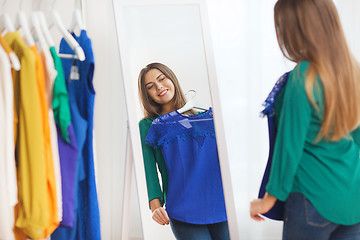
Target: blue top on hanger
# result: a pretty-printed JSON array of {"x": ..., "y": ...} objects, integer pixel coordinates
[
  {"x": 188, "y": 143},
  {"x": 79, "y": 76}
]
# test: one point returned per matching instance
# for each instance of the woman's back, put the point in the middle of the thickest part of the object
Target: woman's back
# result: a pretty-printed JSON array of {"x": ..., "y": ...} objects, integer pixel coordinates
[{"x": 326, "y": 172}]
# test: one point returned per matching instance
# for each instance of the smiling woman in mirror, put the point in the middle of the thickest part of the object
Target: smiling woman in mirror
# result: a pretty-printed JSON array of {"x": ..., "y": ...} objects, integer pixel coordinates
[{"x": 183, "y": 148}]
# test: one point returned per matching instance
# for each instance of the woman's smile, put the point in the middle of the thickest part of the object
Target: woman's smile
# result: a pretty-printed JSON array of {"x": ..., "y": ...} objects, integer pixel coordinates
[{"x": 163, "y": 93}]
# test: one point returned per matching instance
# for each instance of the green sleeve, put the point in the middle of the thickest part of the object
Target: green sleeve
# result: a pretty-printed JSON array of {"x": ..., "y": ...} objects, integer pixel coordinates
[
  {"x": 152, "y": 180},
  {"x": 293, "y": 123}
]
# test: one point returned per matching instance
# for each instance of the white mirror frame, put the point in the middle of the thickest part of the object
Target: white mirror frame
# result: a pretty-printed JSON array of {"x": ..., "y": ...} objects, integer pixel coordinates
[{"x": 134, "y": 154}]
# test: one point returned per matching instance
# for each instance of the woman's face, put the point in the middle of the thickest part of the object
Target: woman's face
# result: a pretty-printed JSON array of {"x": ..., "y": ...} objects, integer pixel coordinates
[{"x": 160, "y": 88}]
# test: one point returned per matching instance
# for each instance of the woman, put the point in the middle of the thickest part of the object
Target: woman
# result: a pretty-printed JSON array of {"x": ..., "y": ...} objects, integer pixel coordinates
[
  {"x": 316, "y": 167},
  {"x": 186, "y": 190}
]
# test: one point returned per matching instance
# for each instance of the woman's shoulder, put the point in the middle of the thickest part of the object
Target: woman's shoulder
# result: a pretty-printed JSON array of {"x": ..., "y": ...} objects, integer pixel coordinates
[
  {"x": 300, "y": 69},
  {"x": 146, "y": 121},
  {"x": 303, "y": 65},
  {"x": 297, "y": 76}
]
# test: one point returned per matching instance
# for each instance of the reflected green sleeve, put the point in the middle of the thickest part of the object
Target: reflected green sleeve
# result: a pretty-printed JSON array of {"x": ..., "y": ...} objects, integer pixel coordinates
[
  {"x": 293, "y": 123},
  {"x": 152, "y": 179}
]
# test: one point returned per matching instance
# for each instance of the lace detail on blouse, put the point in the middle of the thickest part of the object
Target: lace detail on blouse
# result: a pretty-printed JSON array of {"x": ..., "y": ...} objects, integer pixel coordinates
[
  {"x": 270, "y": 100},
  {"x": 177, "y": 127}
]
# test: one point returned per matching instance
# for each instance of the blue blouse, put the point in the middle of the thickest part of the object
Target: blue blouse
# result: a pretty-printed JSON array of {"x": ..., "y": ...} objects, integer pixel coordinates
[
  {"x": 188, "y": 143},
  {"x": 277, "y": 212},
  {"x": 79, "y": 84}
]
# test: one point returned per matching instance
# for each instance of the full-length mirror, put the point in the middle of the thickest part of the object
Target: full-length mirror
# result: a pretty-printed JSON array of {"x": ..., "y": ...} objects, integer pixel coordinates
[{"x": 174, "y": 34}]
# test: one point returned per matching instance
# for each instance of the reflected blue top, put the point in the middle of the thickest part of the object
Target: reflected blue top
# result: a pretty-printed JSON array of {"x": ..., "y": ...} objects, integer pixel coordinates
[{"x": 188, "y": 143}]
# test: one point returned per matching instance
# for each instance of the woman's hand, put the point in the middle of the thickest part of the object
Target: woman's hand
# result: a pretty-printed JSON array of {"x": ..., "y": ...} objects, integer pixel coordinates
[
  {"x": 160, "y": 216},
  {"x": 159, "y": 213},
  {"x": 261, "y": 206}
]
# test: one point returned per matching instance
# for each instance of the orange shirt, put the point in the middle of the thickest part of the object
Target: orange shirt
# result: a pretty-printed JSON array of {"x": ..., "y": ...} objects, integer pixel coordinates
[{"x": 53, "y": 221}]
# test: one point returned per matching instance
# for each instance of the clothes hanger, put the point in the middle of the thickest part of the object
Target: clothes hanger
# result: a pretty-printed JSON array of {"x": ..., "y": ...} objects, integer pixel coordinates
[
  {"x": 192, "y": 103},
  {"x": 79, "y": 53},
  {"x": 22, "y": 23},
  {"x": 7, "y": 26},
  {"x": 77, "y": 21},
  {"x": 5, "y": 22},
  {"x": 37, "y": 30},
  {"x": 45, "y": 29}
]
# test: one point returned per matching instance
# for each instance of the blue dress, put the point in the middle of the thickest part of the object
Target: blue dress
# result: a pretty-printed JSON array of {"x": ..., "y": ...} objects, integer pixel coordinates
[
  {"x": 79, "y": 77},
  {"x": 188, "y": 143}
]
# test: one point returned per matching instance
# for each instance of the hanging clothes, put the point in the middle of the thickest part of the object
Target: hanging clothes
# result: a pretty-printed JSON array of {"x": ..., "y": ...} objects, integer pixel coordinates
[
  {"x": 79, "y": 77},
  {"x": 68, "y": 150},
  {"x": 188, "y": 143},
  {"x": 8, "y": 184},
  {"x": 31, "y": 214}
]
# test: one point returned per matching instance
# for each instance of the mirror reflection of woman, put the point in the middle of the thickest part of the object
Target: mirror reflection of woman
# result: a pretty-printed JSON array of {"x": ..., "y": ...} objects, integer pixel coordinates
[
  {"x": 316, "y": 165},
  {"x": 160, "y": 93}
]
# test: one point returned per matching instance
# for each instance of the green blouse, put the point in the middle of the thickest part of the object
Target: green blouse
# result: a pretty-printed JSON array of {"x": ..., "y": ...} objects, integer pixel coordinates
[
  {"x": 326, "y": 172},
  {"x": 60, "y": 104},
  {"x": 153, "y": 159}
]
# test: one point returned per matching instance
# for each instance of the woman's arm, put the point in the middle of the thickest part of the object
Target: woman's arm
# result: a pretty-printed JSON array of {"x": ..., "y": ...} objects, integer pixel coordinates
[
  {"x": 152, "y": 181},
  {"x": 151, "y": 174}
]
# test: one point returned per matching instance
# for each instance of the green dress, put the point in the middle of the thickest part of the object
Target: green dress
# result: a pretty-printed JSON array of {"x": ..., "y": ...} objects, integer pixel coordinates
[
  {"x": 326, "y": 172},
  {"x": 153, "y": 159}
]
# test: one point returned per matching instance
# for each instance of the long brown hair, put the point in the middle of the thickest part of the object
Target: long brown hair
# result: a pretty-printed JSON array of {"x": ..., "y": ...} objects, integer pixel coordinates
[
  {"x": 311, "y": 30},
  {"x": 151, "y": 108}
]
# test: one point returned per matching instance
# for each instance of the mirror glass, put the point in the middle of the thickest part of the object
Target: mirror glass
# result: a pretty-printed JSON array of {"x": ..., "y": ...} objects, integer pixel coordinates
[
  {"x": 172, "y": 34},
  {"x": 162, "y": 34}
]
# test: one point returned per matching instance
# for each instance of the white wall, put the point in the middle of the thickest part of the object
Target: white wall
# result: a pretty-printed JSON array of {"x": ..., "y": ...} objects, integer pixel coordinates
[
  {"x": 248, "y": 63},
  {"x": 110, "y": 116}
]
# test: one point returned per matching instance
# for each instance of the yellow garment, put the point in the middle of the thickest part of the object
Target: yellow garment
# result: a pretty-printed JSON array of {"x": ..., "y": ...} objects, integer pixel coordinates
[
  {"x": 32, "y": 211},
  {"x": 53, "y": 221},
  {"x": 5, "y": 45}
]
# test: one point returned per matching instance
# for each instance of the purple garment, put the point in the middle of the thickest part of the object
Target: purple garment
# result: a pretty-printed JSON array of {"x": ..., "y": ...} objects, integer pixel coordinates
[{"x": 68, "y": 153}]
